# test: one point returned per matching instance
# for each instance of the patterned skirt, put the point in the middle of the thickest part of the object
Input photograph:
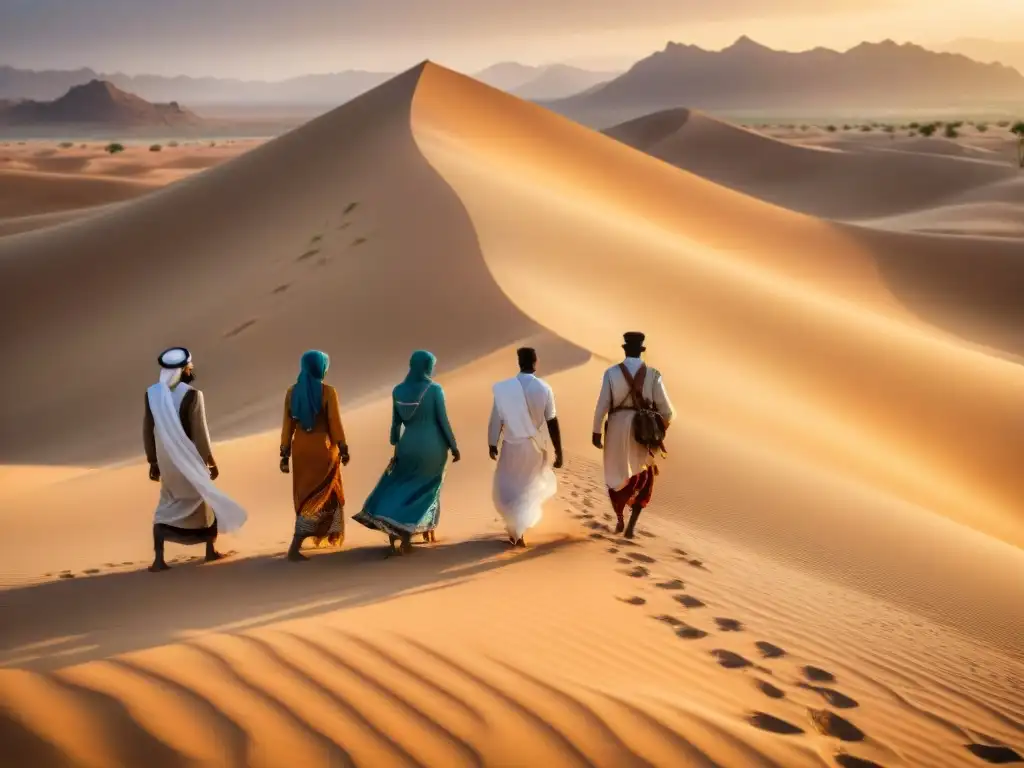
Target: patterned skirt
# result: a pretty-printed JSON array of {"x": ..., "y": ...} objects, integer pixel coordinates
[{"x": 320, "y": 515}]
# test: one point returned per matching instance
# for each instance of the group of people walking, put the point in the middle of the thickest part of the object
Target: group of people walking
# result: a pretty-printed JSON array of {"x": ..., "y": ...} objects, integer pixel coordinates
[{"x": 632, "y": 414}]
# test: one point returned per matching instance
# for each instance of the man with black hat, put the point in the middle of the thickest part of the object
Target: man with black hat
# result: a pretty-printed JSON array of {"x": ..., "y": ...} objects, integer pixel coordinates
[
  {"x": 191, "y": 509},
  {"x": 523, "y": 480},
  {"x": 629, "y": 465}
]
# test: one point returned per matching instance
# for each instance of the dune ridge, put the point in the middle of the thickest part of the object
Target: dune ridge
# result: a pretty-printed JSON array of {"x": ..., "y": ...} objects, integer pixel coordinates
[{"x": 825, "y": 577}]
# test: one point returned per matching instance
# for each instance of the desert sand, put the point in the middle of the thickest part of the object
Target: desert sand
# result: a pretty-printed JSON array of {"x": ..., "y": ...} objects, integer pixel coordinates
[{"x": 831, "y": 572}]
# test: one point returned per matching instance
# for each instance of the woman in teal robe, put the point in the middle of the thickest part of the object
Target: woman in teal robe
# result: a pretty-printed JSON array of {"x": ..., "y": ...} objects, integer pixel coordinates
[{"x": 407, "y": 500}]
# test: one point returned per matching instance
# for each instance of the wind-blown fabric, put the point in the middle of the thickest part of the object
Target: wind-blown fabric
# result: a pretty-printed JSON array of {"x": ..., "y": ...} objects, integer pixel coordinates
[
  {"x": 185, "y": 460},
  {"x": 308, "y": 392},
  {"x": 523, "y": 480}
]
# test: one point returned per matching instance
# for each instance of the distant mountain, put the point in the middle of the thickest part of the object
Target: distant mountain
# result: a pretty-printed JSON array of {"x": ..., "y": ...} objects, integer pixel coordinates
[
  {"x": 560, "y": 80},
  {"x": 97, "y": 103},
  {"x": 1008, "y": 52},
  {"x": 327, "y": 90},
  {"x": 508, "y": 75},
  {"x": 750, "y": 76}
]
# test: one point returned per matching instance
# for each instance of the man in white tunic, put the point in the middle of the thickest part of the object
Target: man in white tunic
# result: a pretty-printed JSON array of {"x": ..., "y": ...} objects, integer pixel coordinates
[
  {"x": 177, "y": 441},
  {"x": 629, "y": 467},
  {"x": 523, "y": 480}
]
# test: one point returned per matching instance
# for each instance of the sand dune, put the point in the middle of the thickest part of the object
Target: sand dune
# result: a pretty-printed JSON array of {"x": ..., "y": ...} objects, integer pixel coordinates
[
  {"x": 832, "y": 569},
  {"x": 847, "y": 185}
]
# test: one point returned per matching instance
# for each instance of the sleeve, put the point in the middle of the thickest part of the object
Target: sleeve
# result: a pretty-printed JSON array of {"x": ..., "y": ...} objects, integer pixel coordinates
[
  {"x": 441, "y": 411},
  {"x": 396, "y": 422},
  {"x": 148, "y": 434},
  {"x": 494, "y": 426},
  {"x": 549, "y": 405},
  {"x": 287, "y": 426},
  {"x": 661, "y": 401},
  {"x": 604, "y": 401},
  {"x": 334, "y": 425},
  {"x": 201, "y": 430}
]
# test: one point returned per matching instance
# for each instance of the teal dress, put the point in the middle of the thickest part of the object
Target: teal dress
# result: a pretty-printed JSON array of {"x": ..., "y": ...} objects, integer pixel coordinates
[{"x": 407, "y": 499}]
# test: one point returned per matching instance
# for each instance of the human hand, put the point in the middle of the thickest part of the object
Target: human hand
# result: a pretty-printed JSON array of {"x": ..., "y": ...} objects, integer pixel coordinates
[
  {"x": 493, "y": 451},
  {"x": 597, "y": 440},
  {"x": 558, "y": 461},
  {"x": 456, "y": 456},
  {"x": 284, "y": 465},
  {"x": 345, "y": 458},
  {"x": 154, "y": 472},
  {"x": 214, "y": 472}
]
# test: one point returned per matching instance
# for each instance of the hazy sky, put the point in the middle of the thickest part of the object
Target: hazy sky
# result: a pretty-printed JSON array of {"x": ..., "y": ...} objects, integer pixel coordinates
[{"x": 271, "y": 39}]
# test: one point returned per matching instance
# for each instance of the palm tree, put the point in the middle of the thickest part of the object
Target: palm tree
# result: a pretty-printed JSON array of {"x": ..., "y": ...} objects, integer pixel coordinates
[{"x": 1018, "y": 129}]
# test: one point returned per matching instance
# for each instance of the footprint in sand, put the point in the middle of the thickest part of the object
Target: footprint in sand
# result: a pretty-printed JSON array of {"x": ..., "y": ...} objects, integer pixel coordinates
[
  {"x": 729, "y": 625},
  {"x": 672, "y": 621},
  {"x": 574, "y": 494},
  {"x": 639, "y": 572},
  {"x": 623, "y": 560},
  {"x": 773, "y": 724},
  {"x": 670, "y": 585},
  {"x": 697, "y": 564},
  {"x": 646, "y": 534},
  {"x": 349, "y": 208},
  {"x": 830, "y": 724},
  {"x": 681, "y": 553},
  {"x": 843, "y": 760},
  {"x": 127, "y": 562},
  {"x": 689, "y": 601},
  {"x": 729, "y": 659},
  {"x": 640, "y": 557},
  {"x": 597, "y": 535},
  {"x": 769, "y": 651},
  {"x": 818, "y": 675},
  {"x": 833, "y": 697},
  {"x": 687, "y": 632},
  {"x": 596, "y": 526},
  {"x": 587, "y": 502},
  {"x": 91, "y": 571},
  {"x": 67, "y": 575},
  {"x": 613, "y": 550},
  {"x": 999, "y": 755},
  {"x": 633, "y": 600},
  {"x": 769, "y": 690}
]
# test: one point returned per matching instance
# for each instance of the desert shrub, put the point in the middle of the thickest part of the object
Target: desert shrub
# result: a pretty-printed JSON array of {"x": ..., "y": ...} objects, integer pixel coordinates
[
  {"x": 928, "y": 129},
  {"x": 951, "y": 131},
  {"x": 805, "y": 127},
  {"x": 1003, "y": 123},
  {"x": 66, "y": 144},
  {"x": 155, "y": 148},
  {"x": 1018, "y": 130},
  {"x": 914, "y": 126},
  {"x": 846, "y": 127},
  {"x": 981, "y": 127},
  {"x": 113, "y": 148},
  {"x": 831, "y": 129},
  {"x": 866, "y": 129}
]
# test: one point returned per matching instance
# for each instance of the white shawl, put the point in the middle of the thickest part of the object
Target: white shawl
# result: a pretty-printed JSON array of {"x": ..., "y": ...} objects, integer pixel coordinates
[
  {"x": 168, "y": 430},
  {"x": 510, "y": 400}
]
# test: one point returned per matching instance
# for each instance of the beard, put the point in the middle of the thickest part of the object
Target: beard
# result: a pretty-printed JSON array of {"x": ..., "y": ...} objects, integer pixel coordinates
[{"x": 188, "y": 378}]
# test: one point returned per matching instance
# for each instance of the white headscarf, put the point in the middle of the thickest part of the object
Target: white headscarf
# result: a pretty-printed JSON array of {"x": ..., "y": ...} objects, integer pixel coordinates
[{"x": 182, "y": 451}]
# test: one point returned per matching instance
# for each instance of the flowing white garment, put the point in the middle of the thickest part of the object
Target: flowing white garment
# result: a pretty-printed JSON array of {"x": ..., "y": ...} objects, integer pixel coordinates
[
  {"x": 186, "y": 461},
  {"x": 523, "y": 480}
]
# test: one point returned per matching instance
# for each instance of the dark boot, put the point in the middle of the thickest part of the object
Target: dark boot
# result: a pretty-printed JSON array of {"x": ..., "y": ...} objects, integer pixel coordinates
[
  {"x": 293, "y": 551},
  {"x": 159, "y": 564},
  {"x": 633, "y": 517}
]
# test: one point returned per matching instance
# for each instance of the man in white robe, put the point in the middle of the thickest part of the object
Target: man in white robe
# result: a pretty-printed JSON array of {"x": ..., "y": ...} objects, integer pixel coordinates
[
  {"x": 523, "y": 480},
  {"x": 629, "y": 467},
  {"x": 176, "y": 437}
]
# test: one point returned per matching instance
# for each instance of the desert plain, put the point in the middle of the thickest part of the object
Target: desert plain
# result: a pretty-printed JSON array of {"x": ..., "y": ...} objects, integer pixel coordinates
[{"x": 831, "y": 572}]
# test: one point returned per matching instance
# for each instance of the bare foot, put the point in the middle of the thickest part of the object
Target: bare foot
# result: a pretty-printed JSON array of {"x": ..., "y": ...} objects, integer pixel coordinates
[
  {"x": 214, "y": 556},
  {"x": 620, "y": 527},
  {"x": 159, "y": 565},
  {"x": 297, "y": 557},
  {"x": 426, "y": 537},
  {"x": 521, "y": 542}
]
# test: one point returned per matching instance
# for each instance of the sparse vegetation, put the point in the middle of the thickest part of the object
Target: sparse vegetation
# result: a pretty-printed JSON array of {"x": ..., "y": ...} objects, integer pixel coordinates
[
  {"x": 891, "y": 130},
  {"x": 914, "y": 126},
  {"x": 1018, "y": 130},
  {"x": 981, "y": 127},
  {"x": 66, "y": 144},
  {"x": 831, "y": 129},
  {"x": 846, "y": 127},
  {"x": 928, "y": 129},
  {"x": 805, "y": 127},
  {"x": 951, "y": 130},
  {"x": 1003, "y": 123},
  {"x": 113, "y": 148},
  {"x": 155, "y": 148},
  {"x": 866, "y": 129}
]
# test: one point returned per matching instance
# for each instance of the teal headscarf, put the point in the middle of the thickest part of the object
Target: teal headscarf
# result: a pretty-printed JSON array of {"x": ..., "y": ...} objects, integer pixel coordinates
[
  {"x": 421, "y": 368},
  {"x": 308, "y": 393}
]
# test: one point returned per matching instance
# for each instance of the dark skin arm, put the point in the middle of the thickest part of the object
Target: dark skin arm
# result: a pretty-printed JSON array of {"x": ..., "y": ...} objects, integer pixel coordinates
[{"x": 556, "y": 440}]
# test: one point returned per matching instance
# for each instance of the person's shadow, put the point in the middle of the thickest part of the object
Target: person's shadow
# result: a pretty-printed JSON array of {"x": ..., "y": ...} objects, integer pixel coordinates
[{"x": 57, "y": 624}]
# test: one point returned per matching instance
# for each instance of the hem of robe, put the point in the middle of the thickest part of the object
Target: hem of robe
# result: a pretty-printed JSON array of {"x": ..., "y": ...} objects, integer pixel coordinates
[
  {"x": 327, "y": 525},
  {"x": 637, "y": 491},
  {"x": 395, "y": 529},
  {"x": 187, "y": 536}
]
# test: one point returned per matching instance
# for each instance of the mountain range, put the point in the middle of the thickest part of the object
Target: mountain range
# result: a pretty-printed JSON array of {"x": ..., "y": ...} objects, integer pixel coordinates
[
  {"x": 96, "y": 103},
  {"x": 551, "y": 81},
  {"x": 1008, "y": 52},
  {"x": 750, "y": 76}
]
